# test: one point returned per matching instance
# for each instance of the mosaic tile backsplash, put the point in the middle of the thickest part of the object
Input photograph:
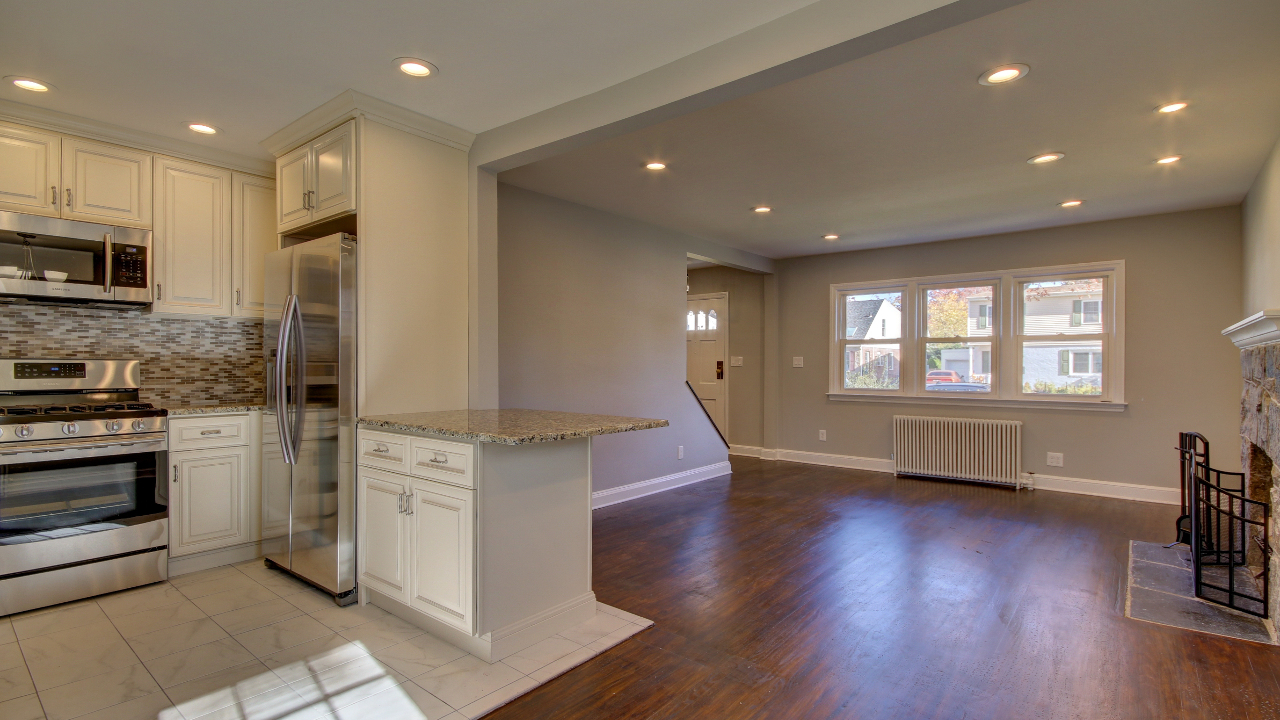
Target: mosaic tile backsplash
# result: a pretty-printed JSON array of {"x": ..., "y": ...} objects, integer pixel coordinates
[{"x": 201, "y": 360}]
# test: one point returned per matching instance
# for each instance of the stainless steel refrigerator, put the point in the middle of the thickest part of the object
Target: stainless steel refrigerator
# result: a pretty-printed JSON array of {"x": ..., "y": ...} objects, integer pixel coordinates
[{"x": 308, "y": 429}]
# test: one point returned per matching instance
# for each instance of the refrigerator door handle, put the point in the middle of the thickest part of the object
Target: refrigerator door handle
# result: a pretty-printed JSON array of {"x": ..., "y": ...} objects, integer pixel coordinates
[
  {"x": 297, "y": 329},
  {"x": 281, "y": 380}
]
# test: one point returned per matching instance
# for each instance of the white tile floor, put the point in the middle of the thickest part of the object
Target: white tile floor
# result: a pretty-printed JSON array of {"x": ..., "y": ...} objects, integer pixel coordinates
[{"x": 245, "y": 642}]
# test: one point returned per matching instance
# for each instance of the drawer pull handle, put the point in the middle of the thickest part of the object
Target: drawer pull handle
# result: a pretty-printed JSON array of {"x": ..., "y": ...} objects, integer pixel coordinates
[
  {"x": 210, "y": 432},
  {"x": 438, "y": 461},
  {"x": 380, "y": 449}
]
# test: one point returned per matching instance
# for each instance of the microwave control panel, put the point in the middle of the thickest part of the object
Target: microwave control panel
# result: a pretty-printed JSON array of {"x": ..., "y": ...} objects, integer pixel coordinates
[{"x": 129, "y": 266}]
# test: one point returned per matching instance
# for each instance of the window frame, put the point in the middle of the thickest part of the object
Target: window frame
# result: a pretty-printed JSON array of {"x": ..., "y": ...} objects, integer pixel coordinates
[{"x": 1005, "y": 321}]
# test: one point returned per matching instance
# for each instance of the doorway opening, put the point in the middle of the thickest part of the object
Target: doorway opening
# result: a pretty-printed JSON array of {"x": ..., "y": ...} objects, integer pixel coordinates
[{"x": 707, "y": 343}]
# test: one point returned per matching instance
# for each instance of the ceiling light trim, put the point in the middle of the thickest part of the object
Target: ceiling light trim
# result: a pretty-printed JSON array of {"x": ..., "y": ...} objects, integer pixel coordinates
[
  {"x": 15, "y": 79},
  {"x": 1019, "y": 69},
  {"x": 1170, "y": 108},
  {"x": 1045, "y": 158},
  {"x": 431, "y": 69}
]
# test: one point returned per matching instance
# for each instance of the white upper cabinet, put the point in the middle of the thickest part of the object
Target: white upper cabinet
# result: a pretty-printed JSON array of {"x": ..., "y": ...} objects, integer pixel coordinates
[
  {"x": 30, "y": 166},
  {"x": 192, "y": 240},
  {"x": 105, "y": 183},
  {"x": 253, "y": 235},
  {"x": 317, "y": 181},
  {"x": 293, "y": 173}
]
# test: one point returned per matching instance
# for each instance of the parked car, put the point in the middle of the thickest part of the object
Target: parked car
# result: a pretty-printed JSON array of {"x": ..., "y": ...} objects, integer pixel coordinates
[
  {"x": 942, "y": 376},
  {"x": 958, "y": 387}
]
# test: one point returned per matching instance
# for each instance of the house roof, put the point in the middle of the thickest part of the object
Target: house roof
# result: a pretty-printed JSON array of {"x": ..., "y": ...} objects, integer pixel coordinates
[{"x": 858, "y": 317}]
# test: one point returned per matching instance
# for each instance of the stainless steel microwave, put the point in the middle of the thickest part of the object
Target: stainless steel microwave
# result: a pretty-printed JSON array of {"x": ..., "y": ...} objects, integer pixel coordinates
[{"x": 46, "y": 260}]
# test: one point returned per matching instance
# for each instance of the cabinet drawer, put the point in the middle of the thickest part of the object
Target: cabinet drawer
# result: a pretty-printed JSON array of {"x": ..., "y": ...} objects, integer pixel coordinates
[
  {"x": 208, "y": 431},
  {"x": 383, "y": 450},
  {"x": 442, "y": 460}
]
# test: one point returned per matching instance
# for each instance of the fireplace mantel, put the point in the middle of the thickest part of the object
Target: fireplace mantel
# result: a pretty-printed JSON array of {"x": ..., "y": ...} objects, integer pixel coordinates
[{"x": 1261, "y": 328}]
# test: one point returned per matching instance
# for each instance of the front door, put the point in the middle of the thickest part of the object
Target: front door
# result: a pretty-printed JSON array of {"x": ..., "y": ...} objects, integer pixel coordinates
[{"x": 707, "y": 335}]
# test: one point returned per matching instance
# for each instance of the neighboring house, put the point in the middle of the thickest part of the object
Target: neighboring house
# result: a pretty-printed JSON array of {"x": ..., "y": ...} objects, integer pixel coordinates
[
  {"x": 872, "y": 320},
  {"x": 1055, "y": 364}
]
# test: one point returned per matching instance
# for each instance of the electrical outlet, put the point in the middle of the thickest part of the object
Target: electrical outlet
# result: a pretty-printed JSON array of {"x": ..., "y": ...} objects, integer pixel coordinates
[
  {"x": 1053, "y": 460},
  {"x": 822, "y": 434},
  {"x": 679, "y": 452},
  {"x": 797, "y": 362}
]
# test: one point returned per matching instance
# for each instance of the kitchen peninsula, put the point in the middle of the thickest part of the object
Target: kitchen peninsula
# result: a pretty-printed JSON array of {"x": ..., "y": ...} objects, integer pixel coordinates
[{"x": 476, "y": 524}]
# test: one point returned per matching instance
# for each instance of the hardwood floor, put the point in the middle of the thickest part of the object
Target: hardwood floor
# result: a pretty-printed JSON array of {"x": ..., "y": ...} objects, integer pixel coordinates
[{"x": 796, "y": 591}]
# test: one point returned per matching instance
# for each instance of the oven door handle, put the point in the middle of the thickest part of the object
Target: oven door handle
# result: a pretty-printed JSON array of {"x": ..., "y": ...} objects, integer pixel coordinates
[{"x": 44, "y": 452}]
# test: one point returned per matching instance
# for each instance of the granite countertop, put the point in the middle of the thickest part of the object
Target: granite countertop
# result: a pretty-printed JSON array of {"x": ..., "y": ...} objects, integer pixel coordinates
[
  {"x": 187, "y": 409},
  {"x": 509, "y": 427}
]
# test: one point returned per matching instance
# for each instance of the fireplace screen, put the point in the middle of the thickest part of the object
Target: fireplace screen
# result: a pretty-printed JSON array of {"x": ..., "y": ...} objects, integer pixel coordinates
[{"x": 1228, "y": 534}]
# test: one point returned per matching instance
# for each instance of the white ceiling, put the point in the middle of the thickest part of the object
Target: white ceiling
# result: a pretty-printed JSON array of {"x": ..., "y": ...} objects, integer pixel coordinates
[
  {"x": 905, "y": 146},
  {"x": 251, "y": 67}
]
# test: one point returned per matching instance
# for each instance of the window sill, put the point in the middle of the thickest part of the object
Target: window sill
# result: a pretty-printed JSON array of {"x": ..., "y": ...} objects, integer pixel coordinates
[{"x": 1086, "y": 406}]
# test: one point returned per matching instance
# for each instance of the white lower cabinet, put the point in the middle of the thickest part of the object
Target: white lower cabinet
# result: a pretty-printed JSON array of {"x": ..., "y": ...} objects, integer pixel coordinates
[
  {"x": 385, "y": 550},
  {"x": 211, "y": 494},
  {"x": 214, "y": 485},
  {"x": 418, "y": 544},
  {"x": 443, "y": 552}
]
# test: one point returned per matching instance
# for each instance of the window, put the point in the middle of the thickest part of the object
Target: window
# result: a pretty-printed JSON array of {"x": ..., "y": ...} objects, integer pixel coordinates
[
  {"x": 690, "y": 321},
  {"x": 1024, "y": 336},
  {"x": 869, "y": 351}
]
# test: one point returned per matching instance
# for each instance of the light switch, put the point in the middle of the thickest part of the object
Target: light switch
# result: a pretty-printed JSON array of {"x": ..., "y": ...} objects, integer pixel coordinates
[
  {"x": 797, "y": 362},
  {"x": 735, "y": 361}
]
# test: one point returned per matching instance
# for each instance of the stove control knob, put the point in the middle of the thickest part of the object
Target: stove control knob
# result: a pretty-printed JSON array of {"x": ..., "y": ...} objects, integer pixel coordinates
[
  {"x": 24, "y": 431},
  {"x": 70, "y": 428},
  {"x": 113, "y": 426},
  {"x": 139, "y": 425}
]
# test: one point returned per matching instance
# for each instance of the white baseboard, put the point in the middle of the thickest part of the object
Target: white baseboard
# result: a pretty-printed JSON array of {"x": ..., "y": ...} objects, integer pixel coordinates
[
  {"x": 755, "y": 452},
  {"x": 613, "y": 496},
  {"x": 1106, "y": 488},
  {"x": 841, "y": 461},
  {"x": 1052, "y": 483},
  {"x": 213, "y": 558}
]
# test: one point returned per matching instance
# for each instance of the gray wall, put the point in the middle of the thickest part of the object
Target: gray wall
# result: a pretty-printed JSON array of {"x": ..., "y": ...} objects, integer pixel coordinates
[
  {"x": 1184, "y": 282},
  {"x": 591, "y": 319},
  {"x": 1262, "y": 239},
  {"x": 746, "y": 340}
]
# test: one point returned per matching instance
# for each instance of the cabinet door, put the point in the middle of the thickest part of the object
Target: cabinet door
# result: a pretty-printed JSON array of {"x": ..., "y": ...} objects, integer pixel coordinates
[
  {"x": 444, "y": 548},
  {"x": 293, "y": 177},
  {"x": 210, "y": 506},
  {"x": 253, "y": 235},
  {"x": 192, "y": 242},
  {"x": 105, "y": 184},
  {"x": 30, "y": 162},
  {"x": 384, "y": 531},
  {"x": 334, "y": 185}
]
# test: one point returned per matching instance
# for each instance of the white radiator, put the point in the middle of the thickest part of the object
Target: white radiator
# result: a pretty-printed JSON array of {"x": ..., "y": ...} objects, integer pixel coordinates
[{"x": 959, "y": 448}]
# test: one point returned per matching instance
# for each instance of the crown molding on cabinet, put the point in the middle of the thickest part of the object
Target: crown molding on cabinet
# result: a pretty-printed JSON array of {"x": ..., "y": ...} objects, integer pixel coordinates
[
  {"x": 350, "y": 104},
  {"x": 105, "y": 132}
]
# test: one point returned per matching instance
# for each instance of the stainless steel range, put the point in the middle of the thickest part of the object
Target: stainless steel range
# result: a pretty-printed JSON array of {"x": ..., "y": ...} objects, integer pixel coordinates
[{"x": 83, "y": 482}]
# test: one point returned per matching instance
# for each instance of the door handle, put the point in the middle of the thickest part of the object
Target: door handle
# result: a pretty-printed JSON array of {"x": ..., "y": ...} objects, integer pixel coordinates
[
  {"x": 159, "y": 294},
  {"x": 719, "y": 369},
  {"x": 53, "y": 195},
  {"x": 237, "y": 297},
  {"x": 175, "y": 473},
  {"x": 68, "y": 197}
]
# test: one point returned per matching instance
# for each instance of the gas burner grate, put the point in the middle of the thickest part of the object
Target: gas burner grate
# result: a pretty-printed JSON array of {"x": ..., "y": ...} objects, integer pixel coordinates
[
  {"x": 20, "y": 410},
  {"x": 139, "y": 406}
]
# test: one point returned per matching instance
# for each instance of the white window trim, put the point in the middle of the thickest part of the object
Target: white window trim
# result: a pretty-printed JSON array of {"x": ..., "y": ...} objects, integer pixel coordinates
[{"x": 1006, "y": 359}]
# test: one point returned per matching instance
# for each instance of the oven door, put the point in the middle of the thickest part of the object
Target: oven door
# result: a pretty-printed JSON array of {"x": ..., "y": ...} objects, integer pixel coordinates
[
  {"x": 66, "y": 502},
  {"x": 51, "y": 258}
]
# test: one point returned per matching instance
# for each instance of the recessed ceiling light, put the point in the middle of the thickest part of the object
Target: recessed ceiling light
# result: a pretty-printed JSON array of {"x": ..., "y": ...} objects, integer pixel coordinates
[
  {"x": 1169, "y": 160},
  {"x": 1071, "y": 203},
  {"x": 1045, "y": 158},
  {"x": 31, "y": 84},
  {"x": 1004, "y": 74},
  {"x": 416, "y": 67},
  {"x": 830, "y": 237},
  {"x": 656, "y": 166},
  {"x": 1171, "y": 107},
  {"x": 202, "y": 128},
  {"x": 762, "y": 209}
]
